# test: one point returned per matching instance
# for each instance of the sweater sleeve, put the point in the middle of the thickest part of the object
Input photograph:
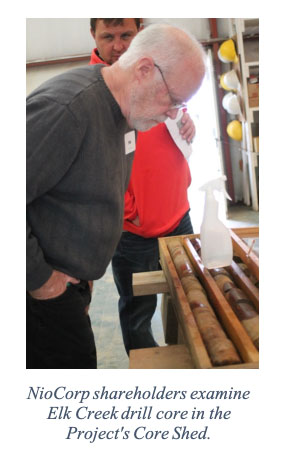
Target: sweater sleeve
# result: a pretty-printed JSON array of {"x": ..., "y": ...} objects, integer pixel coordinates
[{"x": 52, "y": 142}]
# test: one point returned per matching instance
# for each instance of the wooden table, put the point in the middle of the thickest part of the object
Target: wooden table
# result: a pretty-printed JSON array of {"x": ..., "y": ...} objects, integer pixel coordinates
[{"x": 185, "y": 347}]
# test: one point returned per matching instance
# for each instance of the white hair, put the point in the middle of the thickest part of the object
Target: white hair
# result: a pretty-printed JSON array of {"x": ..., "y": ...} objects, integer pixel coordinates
[{"x": 165, "y": 44}]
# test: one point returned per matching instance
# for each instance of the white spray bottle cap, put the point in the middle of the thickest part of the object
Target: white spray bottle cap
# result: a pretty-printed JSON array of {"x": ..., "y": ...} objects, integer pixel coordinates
[{"x": 217, "y": 184}]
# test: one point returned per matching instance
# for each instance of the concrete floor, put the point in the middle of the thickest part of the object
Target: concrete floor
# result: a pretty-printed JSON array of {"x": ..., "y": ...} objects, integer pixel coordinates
[{"x": 104, "y": 305}]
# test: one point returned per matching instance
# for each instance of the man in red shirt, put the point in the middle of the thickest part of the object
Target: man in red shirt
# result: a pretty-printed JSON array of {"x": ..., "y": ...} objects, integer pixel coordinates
[{"x": 156, "y": 202}]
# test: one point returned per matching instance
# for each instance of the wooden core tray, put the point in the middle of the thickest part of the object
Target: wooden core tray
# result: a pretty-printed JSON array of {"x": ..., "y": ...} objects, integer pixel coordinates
[{"x": 225, "y": 314}]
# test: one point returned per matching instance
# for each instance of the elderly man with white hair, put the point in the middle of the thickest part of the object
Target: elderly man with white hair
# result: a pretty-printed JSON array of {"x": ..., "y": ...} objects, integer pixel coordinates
[{"x": 80, "y": 146}]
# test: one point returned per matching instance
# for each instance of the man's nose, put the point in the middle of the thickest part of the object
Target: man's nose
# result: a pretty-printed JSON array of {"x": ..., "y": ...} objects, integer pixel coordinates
[
  {"x": 172, "y": 113},
  {"x": 118, "y": 45}
]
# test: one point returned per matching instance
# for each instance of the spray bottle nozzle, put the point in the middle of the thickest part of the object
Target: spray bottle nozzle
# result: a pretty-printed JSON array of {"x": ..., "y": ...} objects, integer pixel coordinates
[{"x": 217, "y": 184}]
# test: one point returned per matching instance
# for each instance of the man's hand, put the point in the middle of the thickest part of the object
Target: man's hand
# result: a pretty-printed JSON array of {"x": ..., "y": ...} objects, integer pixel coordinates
[
  {"x": 136, "y": 221},
  {"x": 54, "y": 287},
  {"x": 187, "y": 130}
]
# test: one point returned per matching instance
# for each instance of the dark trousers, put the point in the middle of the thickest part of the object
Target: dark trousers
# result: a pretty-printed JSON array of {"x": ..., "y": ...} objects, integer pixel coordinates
[
  {"x": 58, "y": 331},
  {"x": 135, "y": 254}
]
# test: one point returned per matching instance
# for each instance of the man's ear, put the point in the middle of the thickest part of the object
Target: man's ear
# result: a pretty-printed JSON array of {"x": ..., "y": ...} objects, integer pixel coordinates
[{"x": 144, "y": 68}]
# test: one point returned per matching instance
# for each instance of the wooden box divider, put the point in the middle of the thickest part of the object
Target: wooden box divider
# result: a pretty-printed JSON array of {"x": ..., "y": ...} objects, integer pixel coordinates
[
  {"x": 241, "y": 249},
  {"x": 191, "y": 334},
  {"x": 244, "y": 283}
]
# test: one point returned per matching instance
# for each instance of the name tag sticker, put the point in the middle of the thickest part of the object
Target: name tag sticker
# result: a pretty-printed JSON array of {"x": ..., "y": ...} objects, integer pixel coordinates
[{"x": 130, "y": 142}]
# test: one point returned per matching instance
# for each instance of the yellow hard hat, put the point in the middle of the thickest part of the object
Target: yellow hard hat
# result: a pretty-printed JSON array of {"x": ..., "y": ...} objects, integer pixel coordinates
[
  {"x": 222, "y": 83},
  {"x": 234, "y": 130},
  {"x": 227, "y": 52}
]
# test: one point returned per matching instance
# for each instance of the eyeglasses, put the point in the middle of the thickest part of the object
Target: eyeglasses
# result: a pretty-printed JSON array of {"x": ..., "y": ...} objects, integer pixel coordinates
[{"x": 174, "y": 105}]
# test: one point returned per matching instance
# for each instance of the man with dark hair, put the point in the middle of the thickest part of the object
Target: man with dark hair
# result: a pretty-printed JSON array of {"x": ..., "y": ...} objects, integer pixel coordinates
[
  {"x": 113, "y": 36},
  {"x": 112, "y": 21},
  {"x": 156, "y": 202}
]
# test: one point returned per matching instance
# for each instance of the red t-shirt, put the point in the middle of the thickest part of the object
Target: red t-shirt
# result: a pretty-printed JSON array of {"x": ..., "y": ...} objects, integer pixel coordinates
[{"x": 157, "y": 191}]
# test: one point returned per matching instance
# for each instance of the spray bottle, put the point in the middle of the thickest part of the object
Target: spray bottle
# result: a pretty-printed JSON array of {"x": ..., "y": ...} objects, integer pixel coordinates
[{"x": 216, "y": 244}]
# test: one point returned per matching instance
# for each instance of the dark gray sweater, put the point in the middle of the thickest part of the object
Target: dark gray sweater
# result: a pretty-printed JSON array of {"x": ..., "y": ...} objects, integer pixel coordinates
[{"x": 77, "y": 174}]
